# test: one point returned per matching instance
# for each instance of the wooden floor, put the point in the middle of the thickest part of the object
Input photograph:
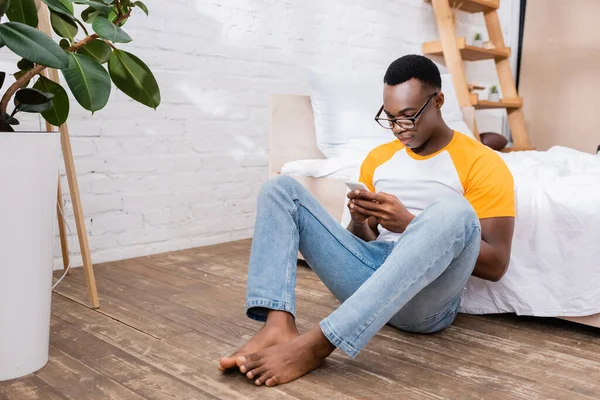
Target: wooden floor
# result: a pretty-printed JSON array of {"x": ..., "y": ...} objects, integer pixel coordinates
[{"x": 166, "y": 319}]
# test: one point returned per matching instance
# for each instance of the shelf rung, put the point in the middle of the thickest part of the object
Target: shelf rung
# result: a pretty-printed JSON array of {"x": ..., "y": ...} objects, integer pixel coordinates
[
  {"x": 482, "y": 104},
  {"x": 467, "y": 52},
  {"x": 474, "y": 6}
]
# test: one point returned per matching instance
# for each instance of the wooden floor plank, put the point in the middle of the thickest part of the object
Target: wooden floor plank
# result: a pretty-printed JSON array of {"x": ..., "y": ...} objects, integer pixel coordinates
[
  {"x": 125, "y": 305},
  {"x": 77, "y": 381},
  {"x": 192, "y": 370},
  {"x": 509, "y": 358},
  {"x": 29, "y": 388},
  {"x": 133, "y": 373}
]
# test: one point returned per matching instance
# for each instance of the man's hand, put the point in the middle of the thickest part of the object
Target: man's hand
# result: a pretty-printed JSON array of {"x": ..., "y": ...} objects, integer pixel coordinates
[
  {"x": 358, "y": 218},
  {"x": 385, "y": 208}
]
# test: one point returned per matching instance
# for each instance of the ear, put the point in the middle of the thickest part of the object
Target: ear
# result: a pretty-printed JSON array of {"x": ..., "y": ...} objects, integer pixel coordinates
[{"x": 439, "y": 100}]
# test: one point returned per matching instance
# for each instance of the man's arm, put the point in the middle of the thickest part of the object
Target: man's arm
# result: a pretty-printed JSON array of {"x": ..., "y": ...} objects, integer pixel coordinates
[{"x": 496, "y": 242}]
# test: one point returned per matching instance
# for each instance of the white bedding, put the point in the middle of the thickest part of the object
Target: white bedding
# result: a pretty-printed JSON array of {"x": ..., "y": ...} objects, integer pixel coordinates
[{"x": 555, "y": 261}]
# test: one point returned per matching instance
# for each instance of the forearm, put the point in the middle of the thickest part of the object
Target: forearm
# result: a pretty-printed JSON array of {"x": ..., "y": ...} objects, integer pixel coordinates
[
  {"x": 491, "y": 264},
  {"x": 363, "y": 231}
]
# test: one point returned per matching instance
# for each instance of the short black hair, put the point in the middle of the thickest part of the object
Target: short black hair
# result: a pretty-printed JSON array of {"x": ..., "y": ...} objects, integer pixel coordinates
[{"x": 414, "y": 66}]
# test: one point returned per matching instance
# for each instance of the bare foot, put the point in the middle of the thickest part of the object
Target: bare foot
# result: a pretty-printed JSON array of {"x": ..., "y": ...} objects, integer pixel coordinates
[
  {"x": 280, "y": 327},
  {"x": 287, "y": 361}
]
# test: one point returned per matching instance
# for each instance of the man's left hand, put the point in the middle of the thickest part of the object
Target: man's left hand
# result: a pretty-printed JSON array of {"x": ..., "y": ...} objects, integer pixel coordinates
[{"x": 386, "y": 208}]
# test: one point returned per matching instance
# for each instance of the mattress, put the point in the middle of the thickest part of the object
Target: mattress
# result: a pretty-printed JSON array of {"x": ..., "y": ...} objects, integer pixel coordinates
[{"x": 555, "y": 261}]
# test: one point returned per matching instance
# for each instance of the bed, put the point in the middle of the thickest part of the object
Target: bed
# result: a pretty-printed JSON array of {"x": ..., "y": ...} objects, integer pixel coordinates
[{"x": 554, "y": 270}]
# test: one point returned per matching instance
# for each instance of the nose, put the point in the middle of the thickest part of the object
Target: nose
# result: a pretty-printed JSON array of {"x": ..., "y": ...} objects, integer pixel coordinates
[{"x": 397, "y": 130}]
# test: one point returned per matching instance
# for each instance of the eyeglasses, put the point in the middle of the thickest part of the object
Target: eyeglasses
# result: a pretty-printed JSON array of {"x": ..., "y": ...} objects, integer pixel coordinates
[{"x": 404, "y": 123}]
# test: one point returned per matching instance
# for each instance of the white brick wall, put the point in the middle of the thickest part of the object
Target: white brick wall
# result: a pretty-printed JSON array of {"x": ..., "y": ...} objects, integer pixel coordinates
[{"x": 187, "y": 174}]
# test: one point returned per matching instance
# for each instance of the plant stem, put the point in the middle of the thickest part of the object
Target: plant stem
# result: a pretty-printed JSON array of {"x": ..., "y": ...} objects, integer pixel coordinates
[
  {"x": 39, "y": 68},
  {"x": 119, "y": 12}
]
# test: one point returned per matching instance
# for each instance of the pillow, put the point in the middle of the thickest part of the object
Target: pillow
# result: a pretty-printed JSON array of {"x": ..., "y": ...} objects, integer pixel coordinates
[{"x": 344, "y": 109}]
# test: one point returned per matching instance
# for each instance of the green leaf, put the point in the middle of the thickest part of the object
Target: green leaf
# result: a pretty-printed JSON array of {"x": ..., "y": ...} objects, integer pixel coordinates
[
  {"x": 64, "y": 44},
  {"x": 69, "y": 5},
  {"x": 109, "y": 31},
  {"x": 2, "y": 77},
  {"x": 58, "y": 114},
  {"x": 32, "y": 97},
  {"x": 88, "y": 14},
  {"x": 1, "y": 43},
  {"x": 89, "y": 82},
  {"x": 25, "y": 64},
  {"x": 4, "y": 4},
  {"x": 33, "y": 45},
  {"x": 96, "y": 49},
  {"x": 23, "y": 11},
  {"x": 107, "y": 1},
  {"x": 33, "y": 100},
  {"x": 18, "y": 76},
  {"x": 142, "y": 6},
  {"x": 63, "y": 26},
  {"x": 99, "y": 6},
  {"x": 59, "y": 7},
  {"x": 134, "y": 78},
  {"x": 36, "y": 108}
]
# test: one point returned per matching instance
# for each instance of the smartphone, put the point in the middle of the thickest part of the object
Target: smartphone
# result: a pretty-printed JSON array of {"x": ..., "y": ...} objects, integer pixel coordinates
[{"x": 357, "y": 186}]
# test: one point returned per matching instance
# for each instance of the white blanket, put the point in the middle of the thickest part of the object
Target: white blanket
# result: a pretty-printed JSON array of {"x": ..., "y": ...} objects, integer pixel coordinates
[{"x": 555, "y": 261}]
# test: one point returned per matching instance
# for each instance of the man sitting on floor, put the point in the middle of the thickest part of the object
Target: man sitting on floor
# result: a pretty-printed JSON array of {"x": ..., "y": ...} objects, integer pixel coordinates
[{"x": 440, "y": 208}]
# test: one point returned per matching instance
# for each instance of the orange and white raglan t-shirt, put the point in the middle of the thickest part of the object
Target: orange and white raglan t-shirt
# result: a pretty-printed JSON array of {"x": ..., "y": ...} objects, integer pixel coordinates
[{"x": 464, "y": 167}]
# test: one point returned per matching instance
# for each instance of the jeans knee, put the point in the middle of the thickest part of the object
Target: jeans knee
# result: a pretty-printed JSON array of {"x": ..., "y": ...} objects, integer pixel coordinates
[
  {"x": 454, "y": 213},
  {"x": 277, "y": 186},
  {"x": 454, "y": 210}
]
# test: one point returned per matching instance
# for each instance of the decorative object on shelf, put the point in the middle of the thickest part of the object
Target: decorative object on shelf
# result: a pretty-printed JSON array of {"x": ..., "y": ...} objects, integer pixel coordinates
[
  {"x": 493, "y": 94},
  {"x": 478, "y": 40},
  {"x": 493, "y": 140},
  {"x": 489, "y": 45},
  {"x": 474, "y": 89}
]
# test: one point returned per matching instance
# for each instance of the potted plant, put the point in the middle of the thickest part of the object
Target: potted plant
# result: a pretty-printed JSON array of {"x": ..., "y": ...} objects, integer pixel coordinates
[
  {"x": 493, "y": 94},
  {"x": 478, "y": 40},
  {"x": 89, "y": 59}
]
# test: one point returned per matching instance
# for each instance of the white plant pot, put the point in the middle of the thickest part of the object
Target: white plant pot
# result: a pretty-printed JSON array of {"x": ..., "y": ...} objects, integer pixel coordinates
[
  {"x": 478, "y": 43},
  {"x": 28, "y": 180},
  {"x": 494, "y": 97}
]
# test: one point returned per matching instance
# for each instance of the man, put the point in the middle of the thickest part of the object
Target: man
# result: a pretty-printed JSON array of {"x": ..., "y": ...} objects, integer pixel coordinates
[{"x": 440, "y": 208}]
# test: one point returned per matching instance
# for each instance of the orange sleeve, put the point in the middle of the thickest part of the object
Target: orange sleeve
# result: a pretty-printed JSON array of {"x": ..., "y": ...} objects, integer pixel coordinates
[
  {"x": 376, "y": 157},
  {"x": 367, "y": 169},
  {"x": 489, "y": 187}
]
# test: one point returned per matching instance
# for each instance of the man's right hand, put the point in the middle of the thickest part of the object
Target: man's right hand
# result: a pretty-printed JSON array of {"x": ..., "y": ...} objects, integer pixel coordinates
[{"x": 357, "y": 217}]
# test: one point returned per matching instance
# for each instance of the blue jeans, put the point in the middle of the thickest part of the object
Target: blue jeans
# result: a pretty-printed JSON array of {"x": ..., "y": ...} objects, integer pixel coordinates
[{"x": 413, "y": 284}]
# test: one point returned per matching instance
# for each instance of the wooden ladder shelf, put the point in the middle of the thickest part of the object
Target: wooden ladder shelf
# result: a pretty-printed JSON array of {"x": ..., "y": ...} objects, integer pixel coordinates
[{"x": 455, "y": 51}]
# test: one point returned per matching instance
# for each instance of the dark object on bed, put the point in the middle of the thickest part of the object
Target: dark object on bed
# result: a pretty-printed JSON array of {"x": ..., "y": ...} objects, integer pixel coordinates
[{"x": 493, "y": 140}]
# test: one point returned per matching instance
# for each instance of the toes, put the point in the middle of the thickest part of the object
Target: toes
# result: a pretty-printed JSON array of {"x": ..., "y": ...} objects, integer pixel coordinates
[
  {"x": 226, "y": 363},
  {"x": 263, "y": 378},
  {"x": 249, "y": 366},
  {"x": 255, "y": 373},
  {"x": 274, "y": 381},
  {"x": 241, "y": 360}
]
